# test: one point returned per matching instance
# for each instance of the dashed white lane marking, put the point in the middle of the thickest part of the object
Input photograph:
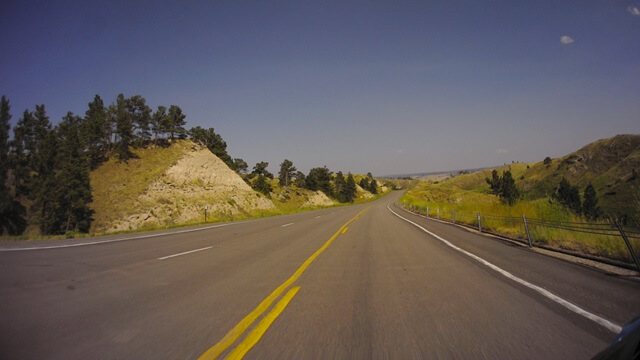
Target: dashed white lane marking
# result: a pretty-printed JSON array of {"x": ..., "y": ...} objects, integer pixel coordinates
[
  {"x": 317, "y": 217},
  {"x": 289, "y": 224},
  {"x": 123, "y": 239},
  {"x": 576, "y": 309},
  {"x": 185, "y": 253}
]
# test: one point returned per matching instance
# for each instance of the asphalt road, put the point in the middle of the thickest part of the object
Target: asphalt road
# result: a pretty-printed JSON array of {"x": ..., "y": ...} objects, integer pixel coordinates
[{"x": 354, "y": 282}]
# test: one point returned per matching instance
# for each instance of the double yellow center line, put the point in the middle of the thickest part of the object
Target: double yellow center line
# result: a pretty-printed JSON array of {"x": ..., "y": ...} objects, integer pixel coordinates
[{"x": 260, "y": 329}]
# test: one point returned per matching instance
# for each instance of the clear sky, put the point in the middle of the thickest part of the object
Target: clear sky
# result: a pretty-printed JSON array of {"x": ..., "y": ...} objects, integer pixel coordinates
[{"x": 388, "y": 87}]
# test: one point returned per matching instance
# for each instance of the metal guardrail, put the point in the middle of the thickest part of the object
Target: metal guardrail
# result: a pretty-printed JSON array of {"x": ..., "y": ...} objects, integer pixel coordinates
[{"x": 476, "y": 221}]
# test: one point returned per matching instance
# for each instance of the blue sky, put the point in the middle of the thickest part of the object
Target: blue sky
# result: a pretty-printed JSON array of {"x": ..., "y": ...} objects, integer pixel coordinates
[{"x": 387, "y": 87}]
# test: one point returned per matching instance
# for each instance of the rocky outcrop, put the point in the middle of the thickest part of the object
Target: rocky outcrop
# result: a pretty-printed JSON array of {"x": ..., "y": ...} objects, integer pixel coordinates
[
  {"x": 318, "y": 198},
  {"x": 198, "y": 181}
]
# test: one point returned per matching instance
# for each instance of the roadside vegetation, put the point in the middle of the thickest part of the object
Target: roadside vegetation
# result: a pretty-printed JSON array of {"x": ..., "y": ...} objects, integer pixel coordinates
[
  {"x": 551, "y": 190},
  {"x": 46, "y": 168},
  {"x": 62, "y": 179}
]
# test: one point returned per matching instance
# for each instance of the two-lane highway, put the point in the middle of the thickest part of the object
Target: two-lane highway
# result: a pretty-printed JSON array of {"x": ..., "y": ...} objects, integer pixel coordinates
[{"x": 351, "y": 282}]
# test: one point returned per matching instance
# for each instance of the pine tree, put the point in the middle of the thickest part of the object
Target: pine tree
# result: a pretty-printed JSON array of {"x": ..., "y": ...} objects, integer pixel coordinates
[
  {"x": 262, "y": 185},
  {"x": 124, "y": 129},
  {"x": 95, "y": 133},
  {"x": 300, "y": 179},
  {"x": 568, "y": 196},
  {"x": 176, "y": 123},
  {"x": 22, "y": 139},
  {"x": 509, "y": 193},
  {"x": 339, "y": 187},
  {"x": 159, "y": 123},
  {"x": 17, "y": 157},
  {"x": 27, "y": 153},
  {"x": 495, "y": 183},
  {"x": 350, "y": 189},
  {"x": 65, "y": 204},
  {"x": 41, "y": 126},
  {"x": 140, "y": 115},
  {"x": 562, "y": 191},
  {"x": 5, "y": 116},
  {"x": 311, "y": 182},
  {"x": 44, "y": 194},
  {"x": 575, "y": 202},
  {"x": 73, "y": 176},
  {"x": 504, "y": 186},
  {"x": 12, "y": 213},
  {"x": 240, "y": 166},
  {"x": 286, "y": 173},
  {"x": 364, "y": 183},
  {"x": 590, "y": 208},
  {"x": 320, "y": 179},
  {"x": 261, "y": 169},
  {"x": 373, "y": 187}
]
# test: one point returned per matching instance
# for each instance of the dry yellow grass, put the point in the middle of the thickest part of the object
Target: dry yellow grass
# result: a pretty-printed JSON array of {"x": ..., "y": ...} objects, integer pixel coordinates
[{"x": 448, "y": 197}]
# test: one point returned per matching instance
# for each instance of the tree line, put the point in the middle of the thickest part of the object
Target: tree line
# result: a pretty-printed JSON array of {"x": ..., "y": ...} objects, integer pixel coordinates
[
  {"x": 338, "y": 186},
  {"x": 566, "y": 194},
  {"x": 47, "y": 167}
]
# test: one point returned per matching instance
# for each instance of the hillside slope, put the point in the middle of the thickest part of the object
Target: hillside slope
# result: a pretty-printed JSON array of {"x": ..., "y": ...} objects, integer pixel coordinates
[
  {"x": 607, "y": 163},
  {"x": 167, "y": 186}
]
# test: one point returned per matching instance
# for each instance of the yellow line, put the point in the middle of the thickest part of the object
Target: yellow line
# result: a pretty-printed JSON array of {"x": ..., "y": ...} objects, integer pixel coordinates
[
  {"x": 254, "y": 336},
  {"x": 242, "y": 326},
  {"x": 345, "y": 230}
]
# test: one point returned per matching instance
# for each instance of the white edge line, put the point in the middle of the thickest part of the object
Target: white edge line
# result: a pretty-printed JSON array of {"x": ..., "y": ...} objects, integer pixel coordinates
[
  {"x": 124, "y": 239},
  {"x": 578, "y": 310},
  {"x": 184, "y": 253},
  {"x": 286, "y": 224}
]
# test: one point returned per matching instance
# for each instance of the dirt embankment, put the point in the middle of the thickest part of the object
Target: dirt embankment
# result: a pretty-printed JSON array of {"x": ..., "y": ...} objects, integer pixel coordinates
[
  {"x": 198, "y": 180},
  {"x": 318, "y": 198}
]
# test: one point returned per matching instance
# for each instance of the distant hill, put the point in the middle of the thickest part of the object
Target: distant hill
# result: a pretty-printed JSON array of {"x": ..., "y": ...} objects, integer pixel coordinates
[
  {"x": 166, "y": 186},
  {"x": 608, "y": 164}
]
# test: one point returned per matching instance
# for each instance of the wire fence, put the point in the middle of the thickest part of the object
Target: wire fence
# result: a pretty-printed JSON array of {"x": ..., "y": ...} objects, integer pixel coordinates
[{"x": 608, "y": 242}]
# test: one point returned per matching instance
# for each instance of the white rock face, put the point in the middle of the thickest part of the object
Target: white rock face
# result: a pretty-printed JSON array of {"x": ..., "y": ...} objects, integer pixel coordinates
[
  {"x": 198, "y": 180},
  {"x": 318, "y": 199}
]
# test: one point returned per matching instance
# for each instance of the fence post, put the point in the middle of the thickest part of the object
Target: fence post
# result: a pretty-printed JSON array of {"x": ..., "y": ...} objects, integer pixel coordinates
[
  {"x": 526, "y": 228},
  {"x": 453, "y": 215},
  {"x": 427, "y": 212},
  {"x": 205, "y": 213},
  {"x": 438, "y": 213},
  {"x": 626, "y": 240},
  {"x": 479, "y": 223}
]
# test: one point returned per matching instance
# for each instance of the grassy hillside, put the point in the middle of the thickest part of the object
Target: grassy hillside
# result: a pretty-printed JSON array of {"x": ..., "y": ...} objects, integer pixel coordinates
[{"x": 607, "y": 163}]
